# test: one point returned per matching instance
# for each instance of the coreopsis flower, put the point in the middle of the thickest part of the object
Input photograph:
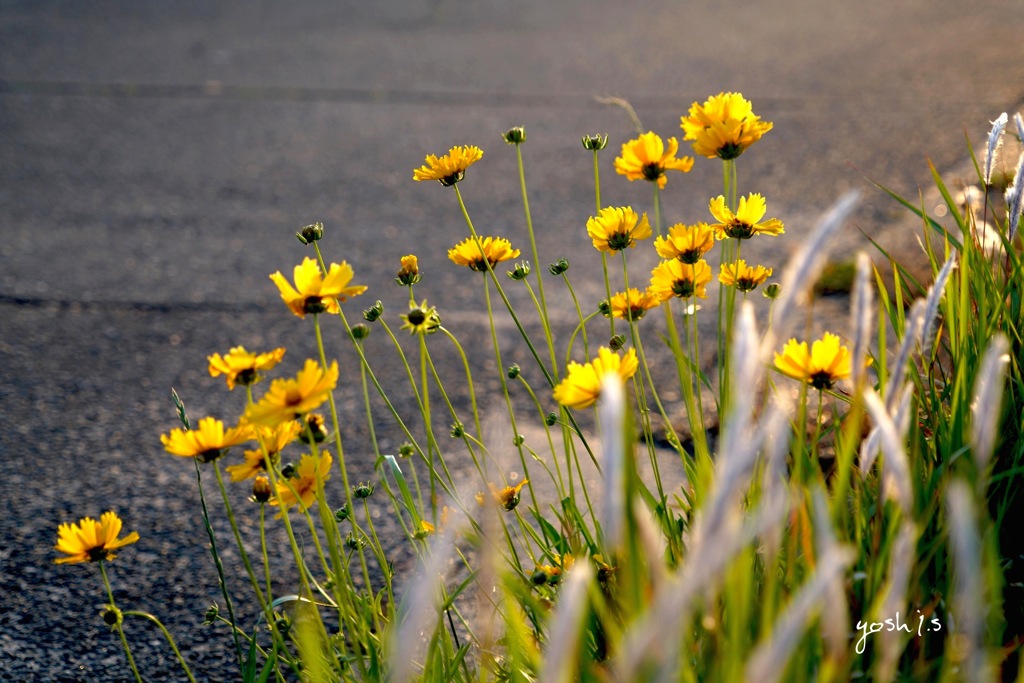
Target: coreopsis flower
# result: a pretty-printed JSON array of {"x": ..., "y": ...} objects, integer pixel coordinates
[
  {"x": 507, "y": 497},
  {"x": 409, "y": 273},
  {"x": 315, "y": 293},
  {"x": 688, "y": 243},
  {"x": 301, "y": 488},
  {"x": 582, "y": 384},
  {"x": 491, "y": 250},
  {"x": 745, "y": 223},
  {"x": 90, "y": 541},
  {"x": 274, "y": 440},
  {"x": 723, "y": 126},
  {"x": 421, "y": 319},
  {"x": 243, "y": 367},
  {"x": 615, "y": 228},
  {"x": 451, "y": 168},
  {"x": 647, "y": 158},
  {"x": 683, "y": 280},
  {"x": 633, "y": 304},
  {"x": 743, "y": 277},
  {"x": 288, "y": 398},
  {"x": 207, "y": 442},
  {"x": 827, "y": 361}
]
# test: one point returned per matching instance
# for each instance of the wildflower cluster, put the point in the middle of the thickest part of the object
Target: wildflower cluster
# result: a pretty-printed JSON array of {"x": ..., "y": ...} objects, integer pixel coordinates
[{"x": 595, "y": 567}]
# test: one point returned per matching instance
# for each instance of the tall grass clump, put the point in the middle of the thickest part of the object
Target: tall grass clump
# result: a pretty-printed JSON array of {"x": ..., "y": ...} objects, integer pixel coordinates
[{"x": 811, "y": 506}]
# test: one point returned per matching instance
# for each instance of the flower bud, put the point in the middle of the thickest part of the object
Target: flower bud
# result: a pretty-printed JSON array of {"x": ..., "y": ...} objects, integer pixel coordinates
[
  {"x": 311, "y": 233},
  {"x": 362, "y": 491},
  {"x": 515, "y": 136},
  {"x": 617, "y": 342},
  {"x": 212, "y": 612},
  {"x": 353, "y": 543},
  {"x": 518, "y": 440},
  {"x": 111, "y": 615},
  {"x": 550, "y": 419},
  {"x": 559, "y": 266},
  {"x": 316, "y": 425},
  {"x": 261, "y": 489},
  {"x": 373, "y": 312},
  {"x": 342, "y": 513},
  {"x": 458, "y": 429},
  {"x": 605, "y": 308},
  {"x": 406, "y": 450},
  {"x": 409, "y": 273},
  {"x": 360, "y": 331},
  {"x": 288, "y": 471},
  {"x": 521, "y": 271},
  {"x": 595, "y": 143},
  {"x": 513, "y": 371},
  {"x": 772, "y": 290}
]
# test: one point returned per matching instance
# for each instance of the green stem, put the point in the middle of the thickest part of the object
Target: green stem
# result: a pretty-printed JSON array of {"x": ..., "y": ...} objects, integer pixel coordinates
[
  {"x": 120, "y": 629},
  {"x": 216, "y": 558},
  {"x": 170, "y": 640}
]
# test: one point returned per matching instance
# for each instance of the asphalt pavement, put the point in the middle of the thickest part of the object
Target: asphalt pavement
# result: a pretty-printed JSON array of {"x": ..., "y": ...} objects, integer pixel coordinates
[{"x": 157, "y": 158}]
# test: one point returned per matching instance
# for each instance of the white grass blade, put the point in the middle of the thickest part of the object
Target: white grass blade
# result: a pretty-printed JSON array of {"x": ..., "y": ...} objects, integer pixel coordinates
[
  {"x": 969, "y": 598},
  {"x": 863, "y": 313},
  {"x": 898, "y": 370},
  {"x": 895, "y": 601},
  {"x": 1013, "y": 199},
  {"x": 987, "y": 403},
  {"x": 419, "y": 609},
  {"x": 995, "y": 140},
  {"x": 896, "y": 477},
  {"x": 805, "y": 265},
  {"x": 768, "y": 663},
  {"x": 611, "y": 415},
  {"x": 1018, "y": 121},
  {"x": 645, "y": 643},
  {"x": 563, "y": 647},
  {"x": 836, "y": 628},
  {"x": 870, "y": 447},
  {"x": 931, "y": 310}
]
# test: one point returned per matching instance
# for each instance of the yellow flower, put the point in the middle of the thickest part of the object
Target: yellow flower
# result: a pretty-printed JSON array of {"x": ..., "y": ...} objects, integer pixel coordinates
[
  {"x": 615, "y": 228},
  {"x": 675, "y": 278},
  {"x": 743, "y": 277},
  {"x": 314, "y": 293},
  {"x": 451, "y": 168},
  {"x": 409, "y": 273},
  {"x": 582, "y": 384},
  {"x": 744, "y": 223},
  {"x": 508, "y": 497},
  {"x": 688, "y": 243},
  {"x": 301, "y": 488},
  {"x": 207, "y": 442},
  {"x": 723, "y": 126},
  {"x": 421, "y": 319},
  {"x": 243, "y": 367},
  {"x": 647, "y": 158},
  {"x": 827, "y": 362},
  {"x": 494, "y": 250},
  {"x": 91, "y": 541},
  {"x": 274, "y": 439},
  {"x": 288, "y": 398},
  {"x": 637, "y": 305}
]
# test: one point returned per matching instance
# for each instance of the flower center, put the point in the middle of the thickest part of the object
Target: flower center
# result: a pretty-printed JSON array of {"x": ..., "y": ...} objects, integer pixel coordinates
[
  {"x": 314, "y": 304},
  {"x": 729, "y": 150},
  {"x": 652, "y": 171},
  {"x": 683, "y": 288},
  {"x": 821, "y": 380},
  {"x": 740, "y": 230},
  {"x": 619, "y": 241}
]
